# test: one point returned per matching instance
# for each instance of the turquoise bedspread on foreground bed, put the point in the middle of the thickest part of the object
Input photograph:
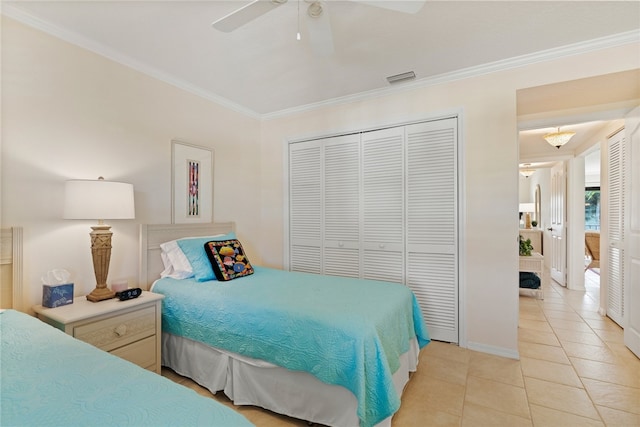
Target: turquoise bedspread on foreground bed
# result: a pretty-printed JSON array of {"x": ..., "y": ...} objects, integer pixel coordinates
[
  {"x": 52, "y": 379},
  {"x": 348, "y": 332}
]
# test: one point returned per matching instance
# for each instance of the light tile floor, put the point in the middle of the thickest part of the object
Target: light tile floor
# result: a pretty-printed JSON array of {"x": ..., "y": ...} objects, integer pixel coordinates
[{"x": 574, "y": 370}]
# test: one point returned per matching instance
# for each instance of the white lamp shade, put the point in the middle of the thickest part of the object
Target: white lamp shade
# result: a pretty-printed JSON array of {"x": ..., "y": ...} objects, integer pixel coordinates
[
  {"x": 98, "y": 199},
  {"x": 527, "y": 207}
]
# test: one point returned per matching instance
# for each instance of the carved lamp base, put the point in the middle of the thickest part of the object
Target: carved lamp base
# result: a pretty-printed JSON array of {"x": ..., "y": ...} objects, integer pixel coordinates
[
  {"x": 101, "y": 253},
  {"x": 101, "y": 294}
]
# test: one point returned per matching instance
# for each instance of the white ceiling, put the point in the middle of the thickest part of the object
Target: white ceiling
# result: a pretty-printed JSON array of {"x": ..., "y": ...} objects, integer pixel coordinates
[
  {"x": 593, "y": 108},
  {"x": 261, "y": 68}
]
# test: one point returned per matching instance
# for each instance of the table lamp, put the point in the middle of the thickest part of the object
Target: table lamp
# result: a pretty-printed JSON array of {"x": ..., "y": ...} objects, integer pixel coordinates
[
  {"x": 527, "y": 208},
  {"x": 99, "y": 200}
]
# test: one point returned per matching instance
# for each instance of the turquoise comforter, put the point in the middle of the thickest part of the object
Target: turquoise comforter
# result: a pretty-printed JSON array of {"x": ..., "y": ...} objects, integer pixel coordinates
[
  {"x": 52, "y": 379},
  {"x": 347, "y": 332}
]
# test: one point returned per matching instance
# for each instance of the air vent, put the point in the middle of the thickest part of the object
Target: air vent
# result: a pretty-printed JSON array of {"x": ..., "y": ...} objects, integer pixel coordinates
[{"x": 409, "y": 75}]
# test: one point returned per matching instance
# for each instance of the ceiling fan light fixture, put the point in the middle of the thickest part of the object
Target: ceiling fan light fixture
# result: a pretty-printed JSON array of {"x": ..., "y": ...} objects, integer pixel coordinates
[
  {"x": 409, "y": 75},
  {"x": 315, "y": 9},
  {"x": 558, "y": 139}
]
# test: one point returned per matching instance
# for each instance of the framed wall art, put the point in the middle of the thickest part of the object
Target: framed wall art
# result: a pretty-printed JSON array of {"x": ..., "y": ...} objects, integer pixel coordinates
[{"x": 192, "y": 180}]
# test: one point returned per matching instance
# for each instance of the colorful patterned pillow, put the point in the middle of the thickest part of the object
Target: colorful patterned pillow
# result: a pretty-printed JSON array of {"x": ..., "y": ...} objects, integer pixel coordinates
[
  {"x": 198, "y": 260},
  {"x": 228, "y": 259}
]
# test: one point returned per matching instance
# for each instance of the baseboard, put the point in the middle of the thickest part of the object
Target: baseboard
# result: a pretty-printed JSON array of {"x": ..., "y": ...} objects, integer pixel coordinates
[
  {"x": 496, "y": 351},
  {"x": 581, "y": 288}
]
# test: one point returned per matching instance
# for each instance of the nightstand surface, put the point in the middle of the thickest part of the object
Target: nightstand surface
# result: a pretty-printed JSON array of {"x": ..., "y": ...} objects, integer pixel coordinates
[{"x": 129, "y": 329}]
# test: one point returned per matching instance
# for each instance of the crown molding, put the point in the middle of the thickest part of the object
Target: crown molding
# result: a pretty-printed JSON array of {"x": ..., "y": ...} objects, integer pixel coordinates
[
  {"x": 601, "y": 112},
  {"x": 102, "y": 50},
  {"x": 614, "y": 40}
]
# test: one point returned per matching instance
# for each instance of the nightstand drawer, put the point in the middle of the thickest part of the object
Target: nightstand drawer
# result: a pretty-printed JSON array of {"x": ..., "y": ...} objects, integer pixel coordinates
[
  {"x": 142, "y": 353},
  {"x": 128, "y": 329},
  {"x": 117, "y": 331}
]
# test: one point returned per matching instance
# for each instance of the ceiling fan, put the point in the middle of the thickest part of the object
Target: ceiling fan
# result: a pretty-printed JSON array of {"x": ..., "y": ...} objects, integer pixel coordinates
[{"x": 318, "y": 23}]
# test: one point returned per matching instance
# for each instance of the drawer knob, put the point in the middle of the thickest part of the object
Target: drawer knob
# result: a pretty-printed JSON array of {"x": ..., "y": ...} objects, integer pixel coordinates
[{"x": 120, "y": 330}]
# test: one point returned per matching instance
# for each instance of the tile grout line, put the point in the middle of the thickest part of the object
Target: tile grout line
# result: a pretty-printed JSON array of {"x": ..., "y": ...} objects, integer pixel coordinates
[{"x": 593, "y": 403}]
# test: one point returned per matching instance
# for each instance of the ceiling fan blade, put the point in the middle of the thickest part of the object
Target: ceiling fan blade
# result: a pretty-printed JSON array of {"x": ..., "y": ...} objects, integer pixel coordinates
[
  {"x": 406, "y": 6},
  {"x": 319, "y": 28},
  {"x": 246, "y": 14}
]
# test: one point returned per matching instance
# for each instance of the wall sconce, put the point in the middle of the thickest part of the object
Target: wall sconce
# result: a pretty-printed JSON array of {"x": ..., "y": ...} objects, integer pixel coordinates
[{"x": 99, "y": 200}]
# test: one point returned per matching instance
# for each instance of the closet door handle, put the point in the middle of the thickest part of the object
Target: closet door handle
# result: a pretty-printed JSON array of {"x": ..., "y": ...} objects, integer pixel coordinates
[{"x": 549, "y": 229}]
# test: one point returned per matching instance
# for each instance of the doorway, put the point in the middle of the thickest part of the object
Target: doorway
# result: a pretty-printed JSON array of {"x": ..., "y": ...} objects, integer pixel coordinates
[
  {"x": 592, "y": 218},
  {"x": 581, "y": 158},
  {"x": 579, "y": 101}
]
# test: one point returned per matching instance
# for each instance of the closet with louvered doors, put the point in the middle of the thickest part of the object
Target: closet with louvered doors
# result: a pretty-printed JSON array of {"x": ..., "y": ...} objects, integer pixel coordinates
[{"x": 382, "y": 205}]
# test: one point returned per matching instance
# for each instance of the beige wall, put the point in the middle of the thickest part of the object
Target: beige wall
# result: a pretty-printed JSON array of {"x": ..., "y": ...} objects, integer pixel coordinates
[
  {"x": 489, "y": 136},
  {"x": 71, "y": 114},
  {"x": 487, "y": 105},
  {"x": 68, "y": 113}
]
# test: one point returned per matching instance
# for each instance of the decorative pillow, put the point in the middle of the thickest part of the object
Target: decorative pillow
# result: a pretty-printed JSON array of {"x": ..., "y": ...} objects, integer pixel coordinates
[
  {"x": 189, "y": 259},
  {"x": 529, "y": 280},
  {"x": 228, "y": 259}
]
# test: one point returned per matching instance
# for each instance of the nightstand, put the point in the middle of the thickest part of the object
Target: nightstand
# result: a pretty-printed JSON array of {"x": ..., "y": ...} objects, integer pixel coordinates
[
  {"x": 534, "y": 264},
  {"x": 535, "y": 235},
  {"x": 128, "y": 329}
]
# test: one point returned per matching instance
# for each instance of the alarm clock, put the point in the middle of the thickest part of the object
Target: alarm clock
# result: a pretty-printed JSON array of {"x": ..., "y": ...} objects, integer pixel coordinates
[{"x": 129, "y": 294}]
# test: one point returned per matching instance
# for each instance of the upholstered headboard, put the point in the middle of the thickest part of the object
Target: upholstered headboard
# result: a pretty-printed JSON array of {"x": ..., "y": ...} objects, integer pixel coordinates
[
  {"x": 11, "y": 268},
  {"x": 151, "y": 236}
]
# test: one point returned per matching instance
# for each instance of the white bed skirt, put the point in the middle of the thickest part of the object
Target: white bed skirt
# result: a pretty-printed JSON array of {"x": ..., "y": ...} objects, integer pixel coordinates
[{"x": 248, "y": 381}]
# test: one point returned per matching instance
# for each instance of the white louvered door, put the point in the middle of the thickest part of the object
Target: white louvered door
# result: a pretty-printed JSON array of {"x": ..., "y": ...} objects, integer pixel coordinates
[
  {"x": 432, "y": 224},
  {"x": 342, "y": 206},
  {"x": 383, "y": 204},
  {"x": 616, "y": 214},
  {"x": 305, "y": 207}
]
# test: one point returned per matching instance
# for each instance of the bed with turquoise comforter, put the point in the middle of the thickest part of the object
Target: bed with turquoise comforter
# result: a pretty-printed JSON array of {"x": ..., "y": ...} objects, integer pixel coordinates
[
  {"x": 347, "y": 332},
  {"x": 52, "y": 379}
]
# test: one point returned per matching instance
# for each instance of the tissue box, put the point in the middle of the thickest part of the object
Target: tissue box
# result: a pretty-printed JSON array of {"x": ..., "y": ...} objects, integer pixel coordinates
[{"x": 57, "y": 295}]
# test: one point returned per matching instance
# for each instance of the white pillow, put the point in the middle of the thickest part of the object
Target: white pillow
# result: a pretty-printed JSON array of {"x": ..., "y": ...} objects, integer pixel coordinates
[
  {"x": 168, "y": 267},
  {"x": 176, "y": 264}
]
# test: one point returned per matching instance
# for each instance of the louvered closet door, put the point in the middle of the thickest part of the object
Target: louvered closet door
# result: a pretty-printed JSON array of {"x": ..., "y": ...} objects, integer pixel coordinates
[
  {"x": 342, "y": 206},
  {"x": 616, "y": 207},
  {"x": 432, "y": 261},
  {"x": 305, "y": 207},
  {"x": 383, "y": 204}
]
